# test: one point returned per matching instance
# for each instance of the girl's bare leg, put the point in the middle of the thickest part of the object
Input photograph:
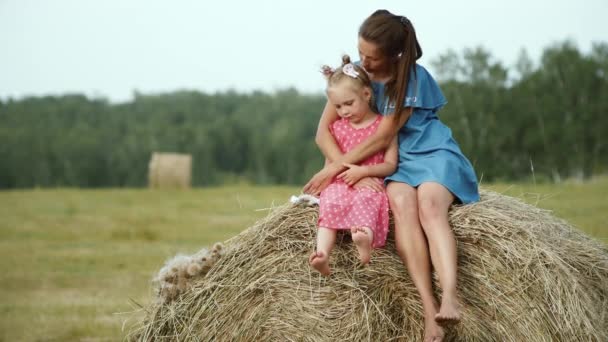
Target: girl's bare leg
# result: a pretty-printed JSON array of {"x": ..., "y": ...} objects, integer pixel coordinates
[
  {"x": 412, "y": 248},
  {"x": 319, "y": 259},
  {"x": 434, "y": 200},
  {"x": 363, "y": 237}
]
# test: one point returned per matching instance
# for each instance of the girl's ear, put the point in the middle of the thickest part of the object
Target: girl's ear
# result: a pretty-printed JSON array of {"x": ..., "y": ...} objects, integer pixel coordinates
[{"x": 367, "y": 93}]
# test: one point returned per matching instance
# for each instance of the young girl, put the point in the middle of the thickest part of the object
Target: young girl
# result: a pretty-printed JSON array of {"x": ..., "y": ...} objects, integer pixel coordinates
[
  {"x": 363, "y": 211},
  {"x": 432, "y": 173}
]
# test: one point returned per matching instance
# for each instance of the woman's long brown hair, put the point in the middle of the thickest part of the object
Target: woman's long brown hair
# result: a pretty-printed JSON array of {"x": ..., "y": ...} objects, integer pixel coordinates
[{"x": 396, "y": 38}]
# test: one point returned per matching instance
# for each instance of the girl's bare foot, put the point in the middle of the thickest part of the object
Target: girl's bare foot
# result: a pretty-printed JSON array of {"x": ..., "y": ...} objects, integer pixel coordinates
[
  {"x": 449, "y": 313},
  {"x": 320, "y": 262},
  {"x": 362, "y": 237},
  {"x": 433, "y": 332}
]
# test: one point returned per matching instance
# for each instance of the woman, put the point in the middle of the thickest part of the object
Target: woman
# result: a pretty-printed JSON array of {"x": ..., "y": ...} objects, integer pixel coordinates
[{"x": 432, "y": 172}]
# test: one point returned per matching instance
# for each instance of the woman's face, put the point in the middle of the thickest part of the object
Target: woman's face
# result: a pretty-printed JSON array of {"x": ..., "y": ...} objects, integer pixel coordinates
[{"x": 372, "y": 59}]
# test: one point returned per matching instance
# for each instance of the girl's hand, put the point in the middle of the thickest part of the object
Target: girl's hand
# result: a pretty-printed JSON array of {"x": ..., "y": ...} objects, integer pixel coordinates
[
  {"x": 353, "y": 174},
  {"x": 372, "y": 183},
  {"x": 320, "y": 180}
]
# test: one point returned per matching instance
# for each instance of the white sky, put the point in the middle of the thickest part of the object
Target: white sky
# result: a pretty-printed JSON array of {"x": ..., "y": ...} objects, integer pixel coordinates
[{"x": 110, "y": 48}]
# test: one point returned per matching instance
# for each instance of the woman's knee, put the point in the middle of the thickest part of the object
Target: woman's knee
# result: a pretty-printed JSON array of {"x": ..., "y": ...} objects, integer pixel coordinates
[
  {"x": 402, "y": 199},
  {"x": 434, "y": 200},
  {"x": 430, "y": 211}
]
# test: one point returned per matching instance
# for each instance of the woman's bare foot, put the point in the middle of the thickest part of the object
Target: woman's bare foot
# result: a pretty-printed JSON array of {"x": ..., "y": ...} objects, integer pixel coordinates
[
  {"x": 433, "y": 332},
  {"x": 320, "y": 262},
  {"x": 450, "y": 311},
  {"x": 362, "y": 237}
]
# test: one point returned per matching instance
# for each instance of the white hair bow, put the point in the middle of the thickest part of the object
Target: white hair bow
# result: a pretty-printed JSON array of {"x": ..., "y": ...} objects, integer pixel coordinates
[{"x": 349, "y": 69}]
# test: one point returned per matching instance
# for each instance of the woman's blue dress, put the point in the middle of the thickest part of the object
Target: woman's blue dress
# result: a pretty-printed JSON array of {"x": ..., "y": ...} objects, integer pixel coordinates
[{"x": 427, "y": 151}]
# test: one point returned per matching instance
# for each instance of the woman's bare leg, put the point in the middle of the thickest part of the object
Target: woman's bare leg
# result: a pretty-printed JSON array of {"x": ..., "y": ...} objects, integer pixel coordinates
[
  {"x": 413, "y": 250},
  {"x": 434, "y": 200}
]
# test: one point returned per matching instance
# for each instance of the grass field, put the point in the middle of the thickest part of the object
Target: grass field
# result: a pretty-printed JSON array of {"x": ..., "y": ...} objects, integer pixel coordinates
[{"x": 73, "y": 260}]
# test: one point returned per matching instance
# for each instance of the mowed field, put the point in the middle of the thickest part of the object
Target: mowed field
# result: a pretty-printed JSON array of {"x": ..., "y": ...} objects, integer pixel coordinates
[{"x": 74, "y": 262}]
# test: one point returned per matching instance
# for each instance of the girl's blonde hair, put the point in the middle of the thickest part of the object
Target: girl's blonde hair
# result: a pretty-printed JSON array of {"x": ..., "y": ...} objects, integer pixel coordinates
[{"x": 353, "y": 73}]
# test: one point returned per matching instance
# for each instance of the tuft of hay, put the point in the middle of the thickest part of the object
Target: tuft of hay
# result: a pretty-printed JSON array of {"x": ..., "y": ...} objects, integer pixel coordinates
[
  {"x": 176, "y": 276},
  {"x": 170, "y": 170},
  {"x": 524, "y": 275}
]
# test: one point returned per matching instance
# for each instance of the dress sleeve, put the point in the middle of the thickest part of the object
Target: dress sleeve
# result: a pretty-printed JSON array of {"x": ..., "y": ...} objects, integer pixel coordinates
[{"x": 423, "y": 91}]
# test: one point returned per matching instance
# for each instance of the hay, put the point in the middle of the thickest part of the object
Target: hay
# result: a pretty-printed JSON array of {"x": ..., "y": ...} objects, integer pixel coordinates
[
  {"x": 524, "y": 276},
  {"x": 176, "y": 276},
  {"x": 170, "y": 170}
]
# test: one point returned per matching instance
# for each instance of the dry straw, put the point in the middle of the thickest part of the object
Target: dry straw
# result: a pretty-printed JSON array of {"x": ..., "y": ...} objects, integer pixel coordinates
[
  {"x": 170, "y": 170},
  {"x": 524, "y": 275}
]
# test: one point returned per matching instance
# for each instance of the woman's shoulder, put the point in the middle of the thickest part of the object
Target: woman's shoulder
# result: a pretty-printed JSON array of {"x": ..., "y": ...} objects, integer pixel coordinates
[
  {"x": 422, "y": 72},
  {"x": 423, "y": 91}
]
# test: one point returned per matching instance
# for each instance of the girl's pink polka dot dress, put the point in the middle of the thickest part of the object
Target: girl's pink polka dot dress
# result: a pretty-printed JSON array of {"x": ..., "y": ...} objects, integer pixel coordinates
[{"x": 344, "y": 207}]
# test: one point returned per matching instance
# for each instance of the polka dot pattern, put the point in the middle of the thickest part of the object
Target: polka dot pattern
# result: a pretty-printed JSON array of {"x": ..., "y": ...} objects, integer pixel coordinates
[{"x": 343, "y": 207}]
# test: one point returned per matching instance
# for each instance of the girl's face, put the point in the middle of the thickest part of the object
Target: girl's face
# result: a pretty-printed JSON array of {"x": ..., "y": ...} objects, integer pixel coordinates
[
  {"x": 372, "y": 59},
  {"x": 350, "y": 103}
]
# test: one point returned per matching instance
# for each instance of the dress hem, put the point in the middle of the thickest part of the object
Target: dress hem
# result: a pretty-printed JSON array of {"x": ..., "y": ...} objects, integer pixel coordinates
[{"x": 416, "y": 185}]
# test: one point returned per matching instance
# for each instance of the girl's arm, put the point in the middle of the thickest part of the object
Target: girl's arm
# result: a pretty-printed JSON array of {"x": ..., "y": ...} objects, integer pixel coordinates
[
  {"x": 381, "y": 139},
  {"x": 388, "y": 167}
]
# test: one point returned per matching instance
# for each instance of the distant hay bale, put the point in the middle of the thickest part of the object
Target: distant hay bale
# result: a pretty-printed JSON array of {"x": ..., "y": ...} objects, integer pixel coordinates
[
  {"x": 524, "y": 275},
  {"x": 170, "y": 170}
]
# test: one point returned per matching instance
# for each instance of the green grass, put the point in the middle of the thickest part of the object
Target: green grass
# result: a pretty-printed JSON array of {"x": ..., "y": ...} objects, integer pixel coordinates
[
  {"x": 584, "y": 205},
  {"x": 72, "y": 260}
]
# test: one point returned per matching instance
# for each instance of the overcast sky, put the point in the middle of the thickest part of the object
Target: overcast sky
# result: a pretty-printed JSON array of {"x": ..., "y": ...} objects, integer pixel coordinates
[{"x": 111, "y": 48}]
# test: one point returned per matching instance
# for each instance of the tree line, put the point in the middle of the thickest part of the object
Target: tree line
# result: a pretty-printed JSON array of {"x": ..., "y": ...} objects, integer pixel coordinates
[{"x": 543, "y": 120}]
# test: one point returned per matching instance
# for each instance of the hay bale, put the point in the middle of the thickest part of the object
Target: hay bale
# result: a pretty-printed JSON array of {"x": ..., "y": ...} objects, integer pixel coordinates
[
  {"x": 524, "y": 275},
  {"x": 170, "y": 170}
]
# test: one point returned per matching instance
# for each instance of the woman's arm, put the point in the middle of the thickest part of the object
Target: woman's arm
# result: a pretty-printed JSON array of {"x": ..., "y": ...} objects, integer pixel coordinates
[
  {"x": 380, "y": 140},
  {"x": 392, "y": 155},
  {"x": 324, "y": 139},
  {"x": 388, "y": 167},
  {"x": 383, "y": 136}
]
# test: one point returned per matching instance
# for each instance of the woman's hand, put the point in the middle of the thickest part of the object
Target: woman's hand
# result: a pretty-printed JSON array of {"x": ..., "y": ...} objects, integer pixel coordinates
[
  {"x": 321, "y": 180},
  {"x": 353, "y": 174},
  {"x": 372, "y": 183}
]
